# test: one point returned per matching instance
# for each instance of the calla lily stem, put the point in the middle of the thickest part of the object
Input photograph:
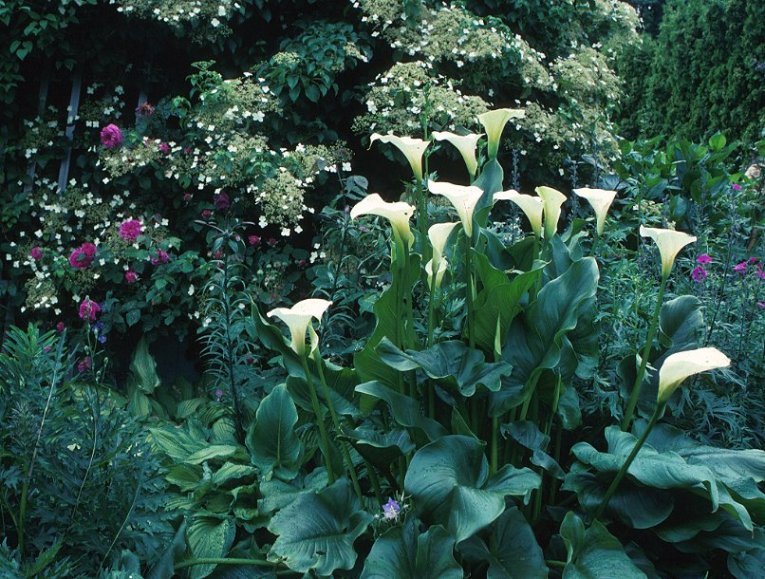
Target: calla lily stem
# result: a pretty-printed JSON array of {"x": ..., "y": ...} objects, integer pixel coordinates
[
  {"x": 319, "y": 420},
  {"x": 637, "y": 386}
]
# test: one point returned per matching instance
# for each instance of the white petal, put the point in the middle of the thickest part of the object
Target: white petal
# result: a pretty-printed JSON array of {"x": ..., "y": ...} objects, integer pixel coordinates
[{"x": 681, "y": 365}]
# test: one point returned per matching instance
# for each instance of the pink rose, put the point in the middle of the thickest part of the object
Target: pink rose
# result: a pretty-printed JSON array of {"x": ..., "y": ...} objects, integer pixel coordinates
[
  {"x": 131, "y": 276},
  {"x": 130, "y": 230},
  {"x": 83, "y": 256},
  {"x": 111, "y": 136},
  {"x": 206, "y": 214},
  {"x": 162, "y": 257},
  {"x": 222, "y": 201},
  {"x": 254, "y": 240},
  {"x": 164, "y": 148},
  {"x": 36, "y": 253},
  {"x": 60, "y": 327},
  {"x": 89, "y": 310}
]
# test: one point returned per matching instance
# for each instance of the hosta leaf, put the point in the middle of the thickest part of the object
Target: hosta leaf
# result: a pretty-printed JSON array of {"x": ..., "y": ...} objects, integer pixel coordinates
[
  {"x": 274, "y": 446},
  {"x": 209, "y": 537},
  {"x": 514, "y": 552},
  {"x": 317, "y": 530},
  {"x": 214, "y": 451},
  {"x": 594, "y": 553},
  {"x": 405, "y": 553},
  {"x": 450, "y": 484}
]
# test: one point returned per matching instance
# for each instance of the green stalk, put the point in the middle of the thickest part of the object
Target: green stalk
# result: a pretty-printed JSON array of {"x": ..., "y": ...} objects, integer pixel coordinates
[
  {"x": 636, "y": 387},
  {"x": 319, "y": 419},
  {"x": 470, "y": 291},
  {"x": 623, "y": 470},
  {"x": 494, "y": 443},
  {"x": 225, "y": 561},
  {"x": 336, "y": 423}
]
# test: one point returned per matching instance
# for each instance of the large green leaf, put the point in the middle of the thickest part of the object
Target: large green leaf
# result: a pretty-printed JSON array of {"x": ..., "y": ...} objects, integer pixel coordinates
[
  {"x": 513, "y": 553},
  {"x": 381, "y": 448},
  {"x": 209, "y": 537},
  {"x": 452, "y": 364},
  {"x": 274, "y": 447},
  {"x": 450, "y": 485},
  {"x": 594, "y": 553},
  {"x": 278, "y": 494},
  {"x": 405, "y": 553},
  {"x": 143, "y": 369},
  {"x": 317, "y": 530}
]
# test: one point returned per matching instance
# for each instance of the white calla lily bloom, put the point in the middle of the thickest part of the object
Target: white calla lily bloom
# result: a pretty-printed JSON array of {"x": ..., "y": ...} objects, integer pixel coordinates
[
  {"x": 552, "y": 200},
  {"x": 398, "y": 213},
  {"x": 464, "y": 198},
  {"x": 494, "y": 123},
  {"x": 298, "y": 319},
  {"x": 531, "y": 206},
  {"x": 669, "y": 242},
  {"x": 600, "y": 200},
  {"x": 439, "y": 235},
  {"x": 466, "y": 145},
  {"x": 413, "y": 149},
  {"x": 443, "y": 264},
  {"x": 681, "y": 365}
]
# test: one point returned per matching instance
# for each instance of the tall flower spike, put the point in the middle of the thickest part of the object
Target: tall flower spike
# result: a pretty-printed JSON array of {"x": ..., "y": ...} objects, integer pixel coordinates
[
  {"x": 463, "y": 198},
  {"x": 439, "y": 235},
  {"x": 398, "y": 213},
  {"x": 443, "y": 264},
  {"x": 494, "y": 123},
  {"x": 669, "y": 242},
  {"x": 298, "y": 319},
  {"x": 413, "y": 149},
  {"x": 681, "y": 365},
  {"x": 552, "y": 199},
  {"x": 600, "y": 200},
  {"x": 465, "y": 144},
  {"x": 531, "y": 206}
]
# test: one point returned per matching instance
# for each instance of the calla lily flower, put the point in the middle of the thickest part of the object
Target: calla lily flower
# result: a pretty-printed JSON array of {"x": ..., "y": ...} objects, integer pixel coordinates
[
  {"x": 464, "y": 198},
  {"x": 438, "y": 235},
  {"x": 398, "y": 213},
  {"x": 413, "y": 149},
  {"x": 600, "y": 200},
  {"x": 669, "y": 242},
  {"x": 531, "y": 206},
  {"x": 298, "y": 320},
  {"x": 552, "y": 199},
  {"x": 681, "y": 365},
  {"x": 443, "y": 264},
  {"x": 465, "y": 144},
  {"x": 494, "y": 123}
]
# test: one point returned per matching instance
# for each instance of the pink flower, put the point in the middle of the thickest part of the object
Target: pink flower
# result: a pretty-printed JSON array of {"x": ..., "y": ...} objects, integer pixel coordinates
[
  {"x": 222, "y": 201},
  {"x": 741, "y": 267},
  {"x": 271, "y": 242},
  {"x": 130, "y": 230},
  {"x": 111, "y": 136},
  {"x": 752, "y": 260},
  {"x": 254, "y": 240},
  {"x": 60, "y": 327},
  {"x": 89, "y": 310},
  {"x": 36, "y": 253},
  {"x": 187, "y": 197},
  {"x": 131, "y": 276},
  {"x": 206, "y": 214},
  {"x": 699, "y": 274},
  {"x": 704, "y": 259},
  {"x": 162, "y": 257},
  {"x": 85, "y": 364},
  {"x": 736, "y": 187},
  {"x": 164, "y": 148},
  {"x": 82, "y": 257}
]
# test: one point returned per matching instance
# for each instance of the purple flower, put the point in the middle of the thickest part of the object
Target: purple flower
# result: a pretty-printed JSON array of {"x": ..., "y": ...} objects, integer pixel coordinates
[
  {"x": 187, "y": 197},
  {"x": 85, "y": 364},
  {"x": 699, "y": 274},
  {"x": 391, "y": 509},
  {"x": 60, "y": 327},
  {"x": 254, "y": 240},
  {"x": 131, "y": 276},
  {"x": 736, "y": 187},
  {"x": 741, "y": 267},
  {"x": 89, "y": 309},
  {"x": 761, "y": 305},
  {"x": 162, "y": 257},
  {"x": 206, "y": 214},
  {"x": 82, "y": 257},
  {"x": 36, "y": 253},
  {"x": 222, "y": 201},
  {"x": 704, "y": 259},
  {"x": 130, "y": 230},
  {"x": 111, "y": 136},
  {"x": 218, "y": 394},
  {"x": 164, "y": 148}
]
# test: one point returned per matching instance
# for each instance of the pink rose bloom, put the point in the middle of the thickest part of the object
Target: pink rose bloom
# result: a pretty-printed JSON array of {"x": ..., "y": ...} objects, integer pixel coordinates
[
  {"x": 89, "y": 310},
  {"x": 741, "y": 267},
  {"x": 130, "y": 230},
  {"x": 85, "y": 364},
  {"x": 131, "y": 276},
  {"x": 206, "y": 214},
  {"x": 36, "y": 253},
  {"x": 82, "y": 257},
  {"x": 703, "y": 259},
  {"x": 111, "y": 136},
  {"x": 254, "y": 240},
  {"x": 60, "y": 327},
  {"x": 162, "y": 257},
  {"x": 187, "y": 197},
  {"x": 699, "y": 274},
  {"x": 164, "y": 148},
  {"x": 736, "y": 187},
  {"x": 222, "y": 201}
]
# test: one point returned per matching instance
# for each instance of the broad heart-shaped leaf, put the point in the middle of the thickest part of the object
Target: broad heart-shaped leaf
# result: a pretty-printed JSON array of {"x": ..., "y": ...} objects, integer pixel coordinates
[
  {"x": 143, "y": 369},
  {"x": 317, "y": 530},
  {"x": 748, "y": 564},
  {"x": 389, "y": 325},
  {"x": 209, "y": 537},
  {"x": 594, "y": 553},
  {"x": 274, "y": 447},
  {"x": 450, "y": 484},
  {"x": 405, "y": 553},
  {"x": 514, "y": 552},
  {"x": 405, "y": 410},
  {"x": 490, "y": 181},
  {"x": 452, "y": 364},
  {"x": 535, "y": 339},
  {"x": 500, "y": 298},
  {"x": 380, "y": 448}
]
